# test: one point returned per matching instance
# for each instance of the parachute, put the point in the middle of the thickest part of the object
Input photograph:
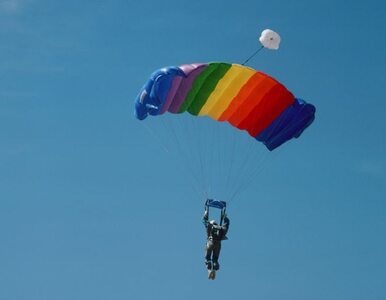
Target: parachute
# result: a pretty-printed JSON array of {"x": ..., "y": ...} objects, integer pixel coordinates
[
  {"x": 270, "y": 39},
  {"x": 248, "y": 99}
]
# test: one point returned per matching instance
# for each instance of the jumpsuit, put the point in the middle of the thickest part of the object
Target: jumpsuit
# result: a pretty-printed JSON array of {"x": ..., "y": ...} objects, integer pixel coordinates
[{"x": 215, "y": 234}]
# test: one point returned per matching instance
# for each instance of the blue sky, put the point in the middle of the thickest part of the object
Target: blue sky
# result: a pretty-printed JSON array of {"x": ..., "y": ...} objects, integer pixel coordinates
[{"x": 92, "y": 207}]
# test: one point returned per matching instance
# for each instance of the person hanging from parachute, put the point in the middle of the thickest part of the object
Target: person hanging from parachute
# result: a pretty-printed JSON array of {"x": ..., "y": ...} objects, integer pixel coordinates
[
  {"x": 247, "y": 99},
  {"x": 216, "y": 233}
]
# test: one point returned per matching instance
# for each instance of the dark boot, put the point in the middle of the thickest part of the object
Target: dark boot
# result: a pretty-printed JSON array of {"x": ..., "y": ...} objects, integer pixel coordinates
[{"x": 208, "y": 264}]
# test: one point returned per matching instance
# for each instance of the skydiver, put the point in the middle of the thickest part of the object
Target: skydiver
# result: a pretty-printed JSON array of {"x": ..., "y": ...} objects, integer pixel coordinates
[{"x": 215, "y": 234}]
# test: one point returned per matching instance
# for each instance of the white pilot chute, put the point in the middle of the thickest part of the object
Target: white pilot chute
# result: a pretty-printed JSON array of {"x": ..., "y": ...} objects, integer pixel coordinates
[{"x": 269, "y": 39}]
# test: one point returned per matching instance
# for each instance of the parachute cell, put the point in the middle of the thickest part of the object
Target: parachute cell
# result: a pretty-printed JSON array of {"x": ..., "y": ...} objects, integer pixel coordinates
[{"x": 249, "y": 100}]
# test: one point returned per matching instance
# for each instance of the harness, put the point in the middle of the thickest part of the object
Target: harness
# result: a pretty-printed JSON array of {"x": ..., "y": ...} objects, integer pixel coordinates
[{"x": 215, "y": 232}]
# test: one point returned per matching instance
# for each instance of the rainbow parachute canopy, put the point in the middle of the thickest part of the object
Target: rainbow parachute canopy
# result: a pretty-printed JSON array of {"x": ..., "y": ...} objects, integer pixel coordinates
[{"x": 248, "y": 99}]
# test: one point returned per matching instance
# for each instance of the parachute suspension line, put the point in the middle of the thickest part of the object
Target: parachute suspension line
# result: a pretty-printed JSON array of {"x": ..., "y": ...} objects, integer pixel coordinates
[
  {"x": 231, "y": 160},
  {"x": 245, "y": 164},
  {"x": 258, "y": 169},
  {"x": 163, "y": 145},
  {"x": 221, "y": 160},
  {"x": 206, "y": 154},
  {"x": 249, "y": 58},
  {"x": 212, "y": 148},
  {"x": 251, "y": 176},
  {"x": 184, "y": 164},
  {"x": 206, "y": 139},
  {"x": 155, "y": 137},
  {"x": 193, "y": 135},
  {"x": 186, "y": 126},
  {"x": 195, "y": 156},
  {"x": 217, "y": 156},
  {"x": 216, "y": 170},
  {"x": 195, "y": 141}
]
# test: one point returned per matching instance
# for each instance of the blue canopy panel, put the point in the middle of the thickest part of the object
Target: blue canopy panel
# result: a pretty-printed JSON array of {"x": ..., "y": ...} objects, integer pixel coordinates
[
  {"x": 155, "y": 91},
  {"x": 290, "y": 124},
  {"x": 216, "y": 203}
]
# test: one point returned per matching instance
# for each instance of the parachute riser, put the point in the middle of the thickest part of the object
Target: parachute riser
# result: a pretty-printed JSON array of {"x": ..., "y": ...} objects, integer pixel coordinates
[
  {"x": 222, "y": 215},
  {"x": 216, "y": 204}
]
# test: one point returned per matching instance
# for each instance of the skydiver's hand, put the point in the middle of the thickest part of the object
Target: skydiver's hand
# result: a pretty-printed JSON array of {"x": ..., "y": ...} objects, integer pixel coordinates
[{"x": 206, "y": 214}]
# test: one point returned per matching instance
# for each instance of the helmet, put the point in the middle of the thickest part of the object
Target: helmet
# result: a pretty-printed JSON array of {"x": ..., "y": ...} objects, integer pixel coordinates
[{"x": 213, "y": 222}]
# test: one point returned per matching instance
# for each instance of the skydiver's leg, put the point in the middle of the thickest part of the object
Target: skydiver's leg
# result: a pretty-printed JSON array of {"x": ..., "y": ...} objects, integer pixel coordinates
[
  {"x": 216, "y": 255},
  {"x": 208, "y": 254}
]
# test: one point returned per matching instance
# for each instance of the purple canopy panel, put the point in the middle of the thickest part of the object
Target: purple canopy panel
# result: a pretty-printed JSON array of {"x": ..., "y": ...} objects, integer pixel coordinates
[
  {"x": 191, "y": 72},
  {"x": 172, "y": 92}
]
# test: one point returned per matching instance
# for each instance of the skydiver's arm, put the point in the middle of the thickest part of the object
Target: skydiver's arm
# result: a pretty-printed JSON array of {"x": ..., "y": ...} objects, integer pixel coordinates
[
  {"x": 225, "y": 226},
  {"x": 205, "y": 219}
]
